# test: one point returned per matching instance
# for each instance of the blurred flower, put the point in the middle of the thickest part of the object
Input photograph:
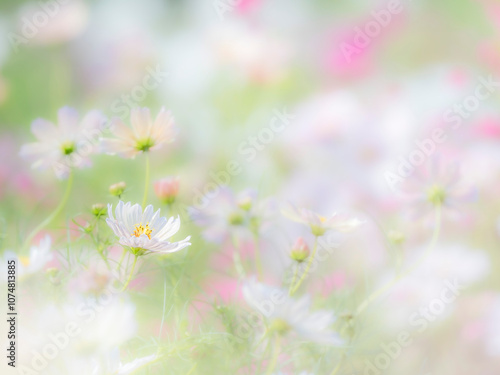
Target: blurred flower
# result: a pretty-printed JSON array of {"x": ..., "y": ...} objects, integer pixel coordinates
[
  {"x": 300, "y": 250},
  {"x": 144, "y": 232},
  {"x": 285, "y": 314},
  {"x": 144, "y": 136},
  {"x": 320, "y": 224},
  {"x": 396, "y": 237},
  {"x": 437, "y": 186},
  {"x": 229, "y": 213},
  {"x": 167, "y": 189},
  {"x": 117, "y": 189},
  {"x": 39, "y": 256},
  {"x": 66, "y": 21},
  {"x": 456, "y": 264},
  {"x": 66, "y": 146},
  {"x": 259, "y": 56}
]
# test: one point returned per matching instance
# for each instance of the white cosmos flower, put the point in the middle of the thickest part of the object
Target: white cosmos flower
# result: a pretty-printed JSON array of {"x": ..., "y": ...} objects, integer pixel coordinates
[
  {"x": 145, "y": 231},
  {"x": 285, "y": 314},
  {"x": 64, "y": 146},
  {"x": 320, "y": 224},
  {"x": 145, "y": 134}
]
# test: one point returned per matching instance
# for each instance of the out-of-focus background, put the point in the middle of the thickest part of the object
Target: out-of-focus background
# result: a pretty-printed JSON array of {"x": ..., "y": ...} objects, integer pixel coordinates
[{"x": 333, "y": 106}]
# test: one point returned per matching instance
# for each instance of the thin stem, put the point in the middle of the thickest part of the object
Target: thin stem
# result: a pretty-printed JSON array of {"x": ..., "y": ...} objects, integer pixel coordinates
[
  {"x": 164, "y": 305},
  {"x": 191, "y": 371},
  {"x": 372, "y": 297},
  {"x": 54, "y": 214},
  {"x": 237, "y": 258},
  {"x": 274, "y": 359},
  {"x": 131, "y": 273},
  {"x": 258, "y": 260},
  {"x": 339, "y": 363},
  {"x": 121, "y": 259},
  {"x": 159, "y": 358},
  {"x": 306, "y": 271},
  {"x": 295, "y": 273},
  {"x": 428, "y": 251},
  {"x": 146, "y": 183}
]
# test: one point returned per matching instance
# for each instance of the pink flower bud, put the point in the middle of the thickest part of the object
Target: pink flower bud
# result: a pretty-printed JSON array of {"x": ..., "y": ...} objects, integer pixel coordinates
[
  {"x": 166, "y": 189},
  {"x": 300, "y": 250}
]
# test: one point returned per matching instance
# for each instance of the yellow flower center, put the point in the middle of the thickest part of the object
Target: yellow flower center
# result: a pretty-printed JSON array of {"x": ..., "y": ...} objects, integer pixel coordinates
[
  {"x": 436, "y": 195},
  {"x": 25, "y": 261},
  {"x": 141, "y": 229},
  {"x": 68, "y": 148},
  {"x": 279, "y": 326},
  {"x": 322, "y": 219},
  {"x": 144, "y": 144}
]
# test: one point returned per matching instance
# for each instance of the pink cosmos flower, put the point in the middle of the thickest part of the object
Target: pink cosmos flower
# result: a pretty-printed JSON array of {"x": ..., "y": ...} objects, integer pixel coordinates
[
  {"x": 437, "y": 185},
  {"x": 145, "y": 134}
]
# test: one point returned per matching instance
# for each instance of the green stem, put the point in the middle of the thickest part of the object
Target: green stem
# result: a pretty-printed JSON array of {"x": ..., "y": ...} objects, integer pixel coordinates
[
  {"x": 274, "y": 359},
  {"x": 295, "y": 273},
  {"x": 339, "y": 364},
  {"x": 121, "y": 259},
  {"x": 146, "y": 183},
  {"x": 191, "y": 371},
  {"x": 431, "y": 246},
  {"x": 306, "y": 271},
  {"x": 131, "y": 273},
  {"x": 237, "y": 258},
  {"x": 146, "y": 364},
  {"x": 54, "y": 214},
  {"x": 258, "y": 260},
  {"x": 372, "y": 297}
]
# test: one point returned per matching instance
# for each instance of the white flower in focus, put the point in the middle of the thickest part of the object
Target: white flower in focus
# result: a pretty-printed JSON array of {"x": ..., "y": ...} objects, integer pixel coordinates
[
  {"x": 144, "y": 232},
  {"x": 38, "y": 258},
  {"x": 145, "y": 134},
  {"x": 285, "y": 314},
  {"x": 320, "y": 224},
  {"x": 64, "y": 146}
]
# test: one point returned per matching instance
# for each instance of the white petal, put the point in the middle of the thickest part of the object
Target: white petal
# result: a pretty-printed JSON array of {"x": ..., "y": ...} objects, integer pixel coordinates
[{"x": 67, "y": 118}]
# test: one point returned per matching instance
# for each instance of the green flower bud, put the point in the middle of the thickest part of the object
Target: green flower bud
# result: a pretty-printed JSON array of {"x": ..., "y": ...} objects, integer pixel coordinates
[
  {"x": 300, "y": 251},
  {"x": 118, "y": 189},
  {"x": 99, "y": 209},
  {"x": 396, "y": 237}
]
